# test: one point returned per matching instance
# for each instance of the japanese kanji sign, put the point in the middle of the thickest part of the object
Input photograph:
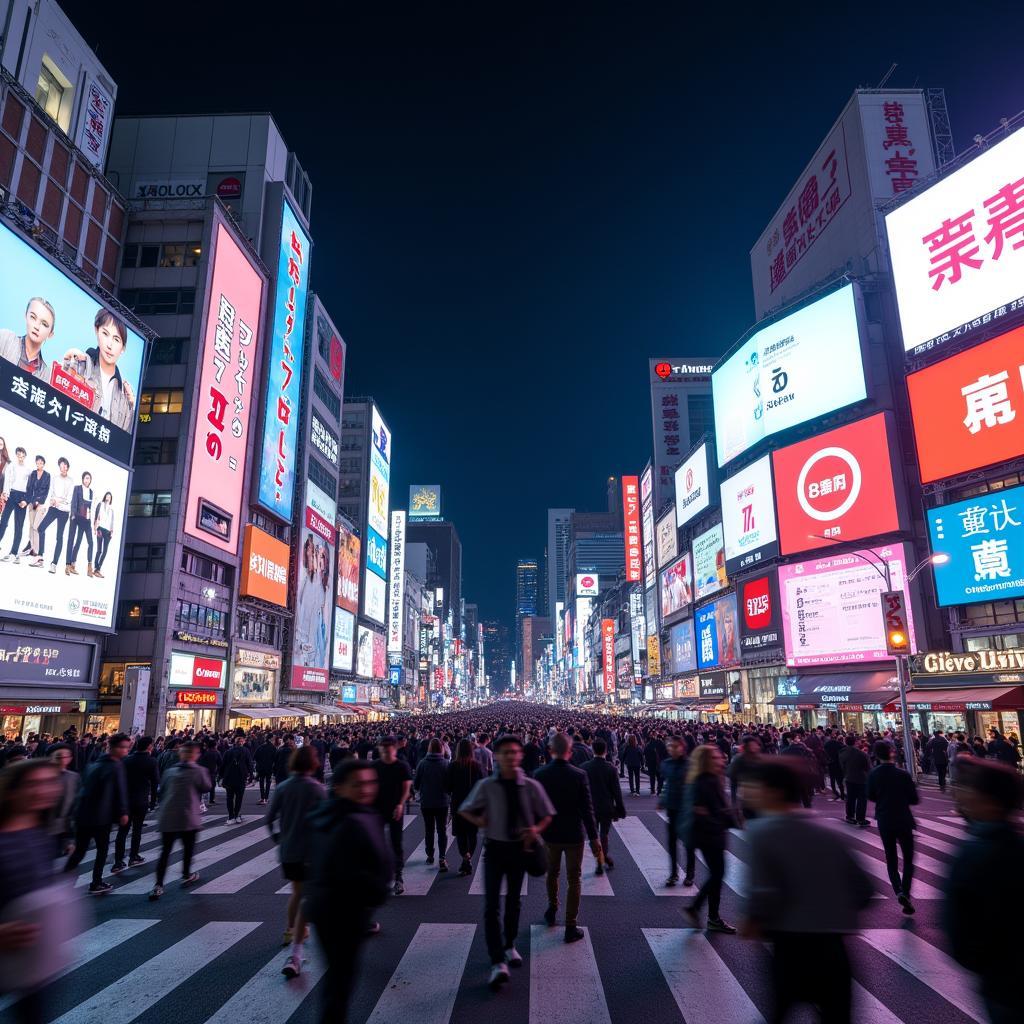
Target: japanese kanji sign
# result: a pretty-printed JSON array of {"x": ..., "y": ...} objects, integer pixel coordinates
[{"x": 631, "y": 528}]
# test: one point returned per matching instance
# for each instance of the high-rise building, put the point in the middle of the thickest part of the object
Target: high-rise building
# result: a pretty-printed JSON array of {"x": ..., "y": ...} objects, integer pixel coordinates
[
  {"x": 557, "y": 555},
  {"x": 444, "y": 570},
  {"x": 595, "y": 545},
  {"x": 536, "y": 632},
  {"x": 527, "y": 601},
  {"x": 497, "y": 655}
]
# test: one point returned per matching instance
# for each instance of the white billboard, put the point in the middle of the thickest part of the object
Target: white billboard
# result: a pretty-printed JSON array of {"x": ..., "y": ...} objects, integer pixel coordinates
[
  {"x": 693, "y": 490},
  {"x": 957, "y": 251},
  {"x": 801, "y": 366},
  {"x": 666, "y": 539},
  {"x": 395, "y": 609},
  {"x": 748, "y": 517},
  {"x": 586, "y": 584}
]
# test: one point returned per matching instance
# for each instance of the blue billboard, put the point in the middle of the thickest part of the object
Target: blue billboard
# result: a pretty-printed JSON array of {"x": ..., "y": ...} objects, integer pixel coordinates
[
  {"x": 983, "y": 539},
  {"x": 376, "y": 553},
  {"x": 348, "y": 693},
  {"x": 718, "y": 634},
  {"x": 284, "y": 369}
]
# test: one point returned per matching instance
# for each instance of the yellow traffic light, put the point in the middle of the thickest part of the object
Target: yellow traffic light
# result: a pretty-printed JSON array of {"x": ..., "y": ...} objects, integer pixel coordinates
[{"x": 897, "y": 640}]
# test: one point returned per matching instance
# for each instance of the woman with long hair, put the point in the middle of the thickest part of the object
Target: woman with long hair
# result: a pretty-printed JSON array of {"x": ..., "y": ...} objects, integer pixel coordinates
[
  {"x": 5, "y": 458},
  {"x": 705, "y": 824},
  {"x": 463, "y": 774},
  {"x": 103, "y": 520}
]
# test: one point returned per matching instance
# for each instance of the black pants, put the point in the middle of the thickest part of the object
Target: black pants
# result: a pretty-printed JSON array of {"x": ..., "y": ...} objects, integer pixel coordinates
[
  {"x": 435, "y": 819},
  {"x": 102, "y": 545},
  {"x": 465, "y": 835},
  {"x": 55, "y": 515},
  {"x": 341, "y": 940},
  {"x": 264, "y": 778},
  {"x": 13, "y": 508},
  {"x": 835, "y": 778},
  {"x": 604, "y": 827},
  {"x": 188, "y": 844},
  {"x": 234, "y": 798},
  {"x": 502, "y": 861},
  {"x": 673, "y": 853},
  {"x": 634, "y": 780},
  {"x": 941, "y": 770},
  {"x": 905, "y": 840},
  {"x": 711, "y": 890},
  {"x": 811, "y": 968},
  {"x": 395, "y": 835},
  {"x": 857, "y": 801},
  {"x": 136, "y": 818},
  {"x": 98, "y": 834},
  {"x": 79, "y": 528},
  {"x": 655, "y": 778}
]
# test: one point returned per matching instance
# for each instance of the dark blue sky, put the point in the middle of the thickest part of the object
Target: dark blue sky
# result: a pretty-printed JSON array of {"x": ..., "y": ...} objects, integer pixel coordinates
[{"x": 513, "y": 209}]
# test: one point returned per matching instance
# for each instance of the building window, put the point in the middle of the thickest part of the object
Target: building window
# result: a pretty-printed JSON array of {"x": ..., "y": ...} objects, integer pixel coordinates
[
  {"x": 991, "y": 613},
  {"x": 130, "y": 254},
  {"x": 193, "y": 617},
  {"x": 168, "y": 351},
  {"x": 50, "y": 93},
  {"x": 149, "y": 504},
  {"x": 137, "y": 614},
  {"x": 160, "y": 403},
  {"x": 158, "y": 301},
  {"x": 149, "y": 255},
  {"x": 324, "y": 480},
  {"x": 258, "y": 627},
  {"x": 206, "y": 568},
  {"x": 156, "y": 451},
  {"x": 700, "y": 416},
  {"x": 143, "y": 558},
  {"x": 323, "y": 391},
  {"x": 180, "y": 254}
]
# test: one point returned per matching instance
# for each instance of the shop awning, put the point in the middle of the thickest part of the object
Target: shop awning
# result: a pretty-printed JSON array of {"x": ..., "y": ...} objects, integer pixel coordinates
[
  {"x": 311, "y": 709},
  {"x": 353, "y": 709},
  {"x": 262, "y": 713},
  {"x": 971, "y": 698},
  {"x": 850, "y": 691}
]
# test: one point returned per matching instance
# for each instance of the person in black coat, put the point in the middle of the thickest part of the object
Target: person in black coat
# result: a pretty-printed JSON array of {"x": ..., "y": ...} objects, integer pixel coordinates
[
  {"x": 463, "y": 774},
  {"x": 937, "y": 752},
  {"x": 143, "y": 781},
  {"x": 606, "y": 792},
  {"x": 209, "y": 758},
  {"x": 654, "y": 753},
  {"x": 894, "y": 793},
  {"x": 235, "y": 771},
  {"x": 284, "y": 754},
  {"x": 264, "y": 759}
]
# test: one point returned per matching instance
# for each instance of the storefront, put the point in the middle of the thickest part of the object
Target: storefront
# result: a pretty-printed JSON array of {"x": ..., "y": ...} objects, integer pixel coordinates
[
  {"x": 713, "y": 689},
  {"x": 856, "y": 700},
  {"x": 254, "y": 683},
  {"x": 196, "y": 689},
  {"x": 760, "y": 689}
]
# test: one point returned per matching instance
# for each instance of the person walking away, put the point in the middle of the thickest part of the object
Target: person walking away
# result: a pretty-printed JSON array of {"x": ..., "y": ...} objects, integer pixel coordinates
[
  {"x": 210, "y": 758},
  {"x": 293, "y": 800},
  {"x": 513, "y": 810},
  {"x": 235, "y": 771},
  {"x": 606, "y": 792},
  {"x": 568, "y": 790},
  {"x": 983, "y": 937},
  {"x": 673, "y": 777},
  {"x": 654, "y": 753},
  {"x": 937, "y": 751},
  {"x": 168, "y": 757},
  {"x": 795, "y": 747},
  {"x": 856, "y": 765},
  {"x": 633, "y": 759},
  {"x": 705, "y": 824},
  {"x": 263, "y": 759},
  {"x": 893, "y": 792},
  {"x": 431, "y": 785},
  {"x": 143, "y": 781},
  {"x": 794, "y": 860},
  {"x": 482, "y": 753},
  {"x": 1000, "y": 750},
  {"x": 61, "y": 755},
  {"x": 532, "y": 754},
  {"x": 739, "y": 770},
  {"x": 349, "y": 874},
  {"x": 463, "y": 774},
  {"x": 833, "y": 746},
  {"x": 582, "y": 752},
  {"x": 394, "y": 783},
  {"x": 102, "y": 803},
  {"x": 283, "y": 759}
]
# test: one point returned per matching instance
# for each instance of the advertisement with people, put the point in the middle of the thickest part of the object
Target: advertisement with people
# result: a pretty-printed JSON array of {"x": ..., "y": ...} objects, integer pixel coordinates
[
  {"x": 718, "y": 634},
  {"x": 709, "y": 562},
  {"x": 676, "y": 588},
  {"x": 62, "y": 512},
  {"x": 347, "y": 596},
  {"x": 66, "y": 359},
  {"x": 314, "y": 592}
]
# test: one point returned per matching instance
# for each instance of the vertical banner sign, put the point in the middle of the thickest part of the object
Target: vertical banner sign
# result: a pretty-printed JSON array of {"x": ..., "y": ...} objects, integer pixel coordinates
[
  {"x": 631, "y": 528},
  {"x": 141, "y": 702},
  {"x": 647, "y": 525},
  {"x": 397, "y": 592},
  {"x": 894, "y": 612},
  {"x": 284, "y": 369},
  {"x": 377, "y": 504},
  {"x": 637, "y": 628},
  {"x": 608, "y": 654}
]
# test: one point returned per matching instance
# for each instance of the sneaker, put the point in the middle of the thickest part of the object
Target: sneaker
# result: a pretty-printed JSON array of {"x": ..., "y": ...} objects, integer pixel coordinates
[
  {"x": 499, "y": 976},
  {"x": 671, "y": 881},
  {"x": 292, "y": 967},
  {"x": 399, "y": 887},
  {"x": 53, "y": 568},
  {"x": 908, "y": 907},
  {"x": 6, "y": 558},
  {"x": 239, "y": 820},
  {"x": 512, "y": 957},
  {"x": 37, "y": 564},
  {"x": 286, "y": 939},
  {"x": 550, "y": 914},
  {"x": 17, "y": 559},
  {"x": 600, "y": 869},
  {"x": 850, "y": 821},
  {"x": 574, "y": 934},
  {"x": 99, "y": 888},
  {"x": 466, "y": 867},
  {"x": 690, "y": 919},
  {"x": 688, "y": 882},
  {"x": 134, "y": 862},
  {"x": 373, "y": 928},
  {"x": 155, "y": 893},
  {"x": 863, "y": 824},
  {"x": 442, "y": 865},
  {"x": 190, "y": 879},
  {"x": 430, "y": 858},
  {"x": 609, "y": 863},
  {"x": 118, "y": 868},
  {"x": 716, "y": 924}
]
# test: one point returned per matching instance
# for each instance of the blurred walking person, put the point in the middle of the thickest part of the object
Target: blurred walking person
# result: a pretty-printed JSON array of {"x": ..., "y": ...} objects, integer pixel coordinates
[
  {"x": 463, "y": 774},
  {"x": 431, "y": 785},
  {"x": 606, "y": 792},
  {"x": 894, "y": 793},
  {"x": 143, "y": 781},
  {"x": 673, "y": 777},
  {"x": 394, "y": 784},
  {"x": 236, "y": 770}
]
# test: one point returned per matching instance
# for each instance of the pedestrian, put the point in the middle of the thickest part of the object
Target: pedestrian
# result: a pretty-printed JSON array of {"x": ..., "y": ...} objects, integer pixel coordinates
[
  {"x": 61, "y": 755},
  {"x": 655, "y": 752},
  {"x": 463, "y": 774},
  {"x": 740, "y": 768},
  {"x": 513, "y": 810},
  {"x": 292, "y": 802},
  {"x": 235, "y": 771},
  {"x": 178, "y": 815},
  {"x": 983, "y": 937},
  {"x": 705, "y": 824},
  {"x": 937, "y": 751},
  {"x": 606, "y": 792},
  {"x": 482, "y": 753},
  {"x": 856, "y": 765},
  {"x": 633, "y": 759},
  {"x": 211, "y": 759},
  {"x": 893, "y": 792},
  {"x": 833, "y": 747},
  {"x": 805, "y": 892},
  {"x": 350, "y": 873},
  {"x": 673, "y": 777},
  {"x": 264, "y": 757},
  {"x": 394, "y": 784},
  {"x": 430, "y": 784},
  {"x": 102, "y": 803},
  {"x": 143, "y": 781}
]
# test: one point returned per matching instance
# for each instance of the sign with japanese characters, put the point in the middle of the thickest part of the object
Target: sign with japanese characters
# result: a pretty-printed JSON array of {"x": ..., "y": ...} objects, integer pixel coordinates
[
  {"x": 608, "y": 654},
  {"x": 95, "y": 127},
  {"x": 284, "y": 368},
  {"x": 631, "y": 528},
  {"x": 224, "y": 401},
  {"x": 344, "y": 641},
  {"x": 748, "y": 517},
  {"x": 897, "y": 140},
  {"x": 323, "y": 439},
  {"x": 957, "y": 249},
  {"x": 396, "y": 610},
  {"x": 709, "y": 562},
  {"x": 647, "y": 525},
  {"x": 838, "y": 486},
  {"x": 760, "y": 621},
  {"x": 968, "y": 410},
  {"x": 693, "y": 485},
  {"x": 802, "y": 366},
  {"x": 43, "y": 661},
  {"x": 264, "y": 571},
  {"x": 666, "y": 539},
  {"x": 983, "y": 538}
]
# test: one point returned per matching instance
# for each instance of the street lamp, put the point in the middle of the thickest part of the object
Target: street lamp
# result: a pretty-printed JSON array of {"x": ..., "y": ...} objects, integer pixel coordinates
[{"x": 896, "y": 640}]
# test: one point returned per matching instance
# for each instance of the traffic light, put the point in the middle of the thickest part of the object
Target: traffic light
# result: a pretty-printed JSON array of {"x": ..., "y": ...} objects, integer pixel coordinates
[{"x": 897, "y": 641}]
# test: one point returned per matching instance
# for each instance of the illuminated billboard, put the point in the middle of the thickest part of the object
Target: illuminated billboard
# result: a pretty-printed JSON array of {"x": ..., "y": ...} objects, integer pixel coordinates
[
  {"x": 347, "y": 591},
  {"x": 314, "y": 594},
  {"x": 968, "y": 410},
  {"x": 676, "y": 588},
  {"x": 608, "y": 655},
  {"x": 376, "y": 544},
  {"x": 396, "y": 611},
  {"x": 380, "y": 656},
  {"x": 587, "y": 584},
  {"x": 364, "y": 652},
  {"x": 647, "y": 526},
  {"x": 344, "y": 641},
  {"x": 666, "y": 539},
  {"x": 709, "y": 562},
  {"x": 680, "y": 650},
  {"x": 631, "y": 528},
  {"x": 955, "y": 249},
  {"x": 694, "y": 492},
  {"x": 264, "y": 572},
  {"x": 802, "y": 366},
  {"x": 718, "y": 633},
  {"x": 223, "y": 408},
  {"x": 760, "y": 616},
  {"x": 748, "y": 517},
  {"x": 284, "y": 368},
  {"x": 425, "y": 501}
]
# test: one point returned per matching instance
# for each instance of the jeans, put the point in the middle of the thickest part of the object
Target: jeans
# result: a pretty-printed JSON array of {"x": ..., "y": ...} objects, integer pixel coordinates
[
  {"x": 136, "y": 818},
  {"x": 905, "y": 840},
  {"x": 98, "y": 834},
  {"x": 465, "y": 835},
  {"x": 55, "y": 515},
  {"x": 711, "y": 890},
  {"x": 102, "y": 545},
  {"x": 79, "y": 528},
  {"x": 573, "y": 874},
  {"x": 856, "y": 801},
  {"x": 502, "y": 861},
  {"x": 13, "y": 508},
  {"x": 340, "y": 940},
  {"x": 395, "y": 835},
  {"x": 264, "y": 778},
  {"x": 234, "y": 797},
  {"x": 188, "y": 843},
  {"x": 835, "y": 778},
  {"x": 435, "y": 819},
  {"x": 634, "y": 780},
  {"x": 811, "y": 968},
  {"x": 673, "y": 842}
]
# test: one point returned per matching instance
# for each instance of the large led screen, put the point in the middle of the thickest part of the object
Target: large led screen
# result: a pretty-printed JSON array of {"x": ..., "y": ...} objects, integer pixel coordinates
[
  {"x": 224, "y": 402},
  {"x": 968, "y": 410},
  {"x": 693, "y": 486},
  {"x": 314, "y": 595},
  {"x": 284, "y": 369},
  {"x": 66, "y": 360},
  {"x": 344, "y": 641},
  {"x": 364, "y": 652},
  {"x": 748, "y": 517},
  {"x": 63, "y": 515},
  {"x": 709, "y": 562},
  {"x": 676, "y": 588},
  {"x": 831, "y": 611},
  {"x": 667, "y": 539},
  {"x": 983, "y": 539},
  {"x": 718, "y": 633},
  {"x": 347, "y": 596},
  {"x": 680, "y": 649},
  {"x": 955, "y": 249},
  {"x": 760, "y": 616},
  {"x": 803, "y": 366}
]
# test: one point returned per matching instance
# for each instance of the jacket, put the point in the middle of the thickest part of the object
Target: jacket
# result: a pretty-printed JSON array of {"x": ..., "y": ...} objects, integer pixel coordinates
[
  {"x": 654, "y": 753},
  {"x": 284, "y": 753},
  {"x": 605, "y": 789},
  {"x": 103, "y": 798},
  {"x": 581, "y": 753},
  {"x": 264, "y": 758},
  {"x": 673, "y": 775},
  {"x": 168, "y": 759},
  {"x": 38, "y": 488},
  {"x": 893, "y": 792},
  {"x": 568, "y": 789},
  {"x": 143, "y": 779},
  {"x": 484, "y": 758},
  {"x": 937, "y": 749},
  {"x": 180, "y": 792},
  {"x": 59, "y": 818},
  {"x": 632, "y": 757},
  {"x": 461, "y": 779},
  {"x": 292, "y": 802},
  {"x": 855, "y": 764},
  {"x": 431, "y": 782},
  {"x": 350, "y": 864},
  {"x": 705, "y": 794},
  {"x": 236, "y": 766},
  {"x": 80, "y": 507},
  {"x": 487, "y": 798},
  {"x": 122, "y": 409}
]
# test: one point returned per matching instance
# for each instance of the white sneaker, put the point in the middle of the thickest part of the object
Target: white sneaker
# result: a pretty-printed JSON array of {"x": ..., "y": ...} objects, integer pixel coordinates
[
  {"x": 17, "y": 560},
  {"x": 499, "y": 976},
  {"x": 202, "y": 808},
  {"x": 512, "y": 957},
  {"x": 53, "y": 567},
  {"x": 6, "y": 558},
  {"x": 239, "y": 820}
]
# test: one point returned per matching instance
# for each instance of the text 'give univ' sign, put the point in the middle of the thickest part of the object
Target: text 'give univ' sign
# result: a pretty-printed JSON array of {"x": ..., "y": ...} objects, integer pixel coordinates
[
  {"x": 608, "y": 654},
  {"x": 631, "y": 528}
]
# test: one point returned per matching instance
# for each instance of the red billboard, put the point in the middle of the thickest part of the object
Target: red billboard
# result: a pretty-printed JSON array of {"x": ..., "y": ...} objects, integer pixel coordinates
[
  {"x": 837, "y": 486},
  {"x": 968, "y": 410},
  {"x": 631, "y": 528},
  {"x": 608, "y": 654}
]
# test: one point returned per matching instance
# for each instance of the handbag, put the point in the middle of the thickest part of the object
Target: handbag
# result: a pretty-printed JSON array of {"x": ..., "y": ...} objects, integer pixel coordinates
[{"x": 535, "y": 858}]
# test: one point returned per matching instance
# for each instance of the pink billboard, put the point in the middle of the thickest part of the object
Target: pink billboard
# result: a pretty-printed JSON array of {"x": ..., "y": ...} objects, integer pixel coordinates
[
  {"x": 831, "y": 614},
  {"x": 380, "y": 656},
  {"x": 223, "y": 407}
]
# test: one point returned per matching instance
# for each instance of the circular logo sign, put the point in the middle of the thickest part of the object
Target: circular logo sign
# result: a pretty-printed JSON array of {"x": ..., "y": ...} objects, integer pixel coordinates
[
  {"x": 829, "y": 484},
  {"x": 663, "y": 370},
  {"x": 587, "y": 581},
  {"x": 74, "y": 605},
  {"x": 229, "y": 188},
  {"x": 689, "y": 480}
]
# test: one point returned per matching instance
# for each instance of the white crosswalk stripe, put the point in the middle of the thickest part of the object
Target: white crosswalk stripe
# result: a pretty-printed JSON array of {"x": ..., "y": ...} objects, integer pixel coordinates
[
  {"x": 648, "y": 855},
  {"x": 150, "y": 838},
  {"x": 135, "y": 992},
  {"x": 417, "y": 875},
  {"x": 959, "y": 822},
  {"x": 735, "y": 869},
  {"x": 921, "y": 861},
  {"x": 594, "y": 884},
  {"x": 238, "y": 878},
  {"x": 564, "y": 980}
]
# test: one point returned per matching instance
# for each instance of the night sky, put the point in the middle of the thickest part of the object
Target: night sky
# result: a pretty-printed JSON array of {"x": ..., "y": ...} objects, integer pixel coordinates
[{"x": 513, "y": 210}]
